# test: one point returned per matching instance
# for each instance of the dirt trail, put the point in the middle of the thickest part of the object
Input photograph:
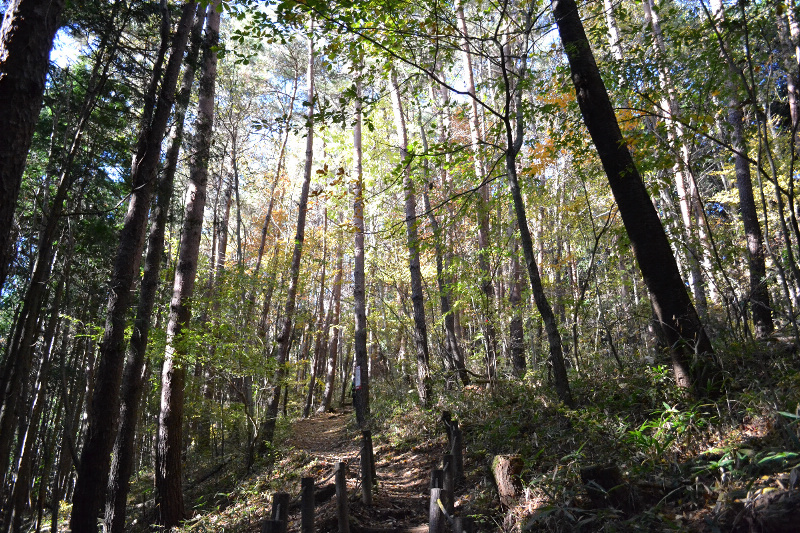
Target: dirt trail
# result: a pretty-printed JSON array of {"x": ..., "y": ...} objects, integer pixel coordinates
[{"x": 400, "y": 503}]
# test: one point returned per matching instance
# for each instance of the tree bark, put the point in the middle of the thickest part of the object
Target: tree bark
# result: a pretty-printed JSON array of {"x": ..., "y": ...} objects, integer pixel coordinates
[
  {"x": 104, "y": 409},
  {"x": 27, "y": 327},
  {"x": 134, "y": 375},
  {"x": 322, "y": 325},
  {"x": 169, "y": 440},
  {"x": 759, "y": 293},
  {"x": 333, "y": 343},
  {"x": 688, "y": 196},
  {"x": 284, "y": 336},
  {"x": 417, "y": 296},
  {"x": 674, "y": 310},
  {"x": 360, "y": 357},
  {"x": 482, "y": 201},
  {"x": 516, "y": 331},
  {"x": 451, "y": 343},
  {"x": 26, "y": 37}
]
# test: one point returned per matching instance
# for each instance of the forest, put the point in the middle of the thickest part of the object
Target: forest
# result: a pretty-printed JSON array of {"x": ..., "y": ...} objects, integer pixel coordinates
[{"x": 241, "y": 239}]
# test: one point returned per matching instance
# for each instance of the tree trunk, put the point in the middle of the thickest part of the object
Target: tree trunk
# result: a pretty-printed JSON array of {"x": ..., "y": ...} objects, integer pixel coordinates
[
  {"x": 27, "y": 328},
  {"x": 322, "y": 325},
  {"x": 516, "y": 332},
  {"x": 674, "y": 310},
  {"x": 134, "y": 375},
  {"x": 26, "y": 37},
  {"x": 759, "y": 292},
  {"x": 361, "y": 358},
  {"x": 333, "y": 343},
  {"x": 417, "y": 297},
  {"x": 688, "y": 197},
  {"x": 169, "y": 441},
  {"x": 104, "y": 409},
  {"x": 24, "y": 467},
  {"x": 482, "y": 201},
  {"x": 284, "y": 335},
  {"x": 451, "y": 343}
]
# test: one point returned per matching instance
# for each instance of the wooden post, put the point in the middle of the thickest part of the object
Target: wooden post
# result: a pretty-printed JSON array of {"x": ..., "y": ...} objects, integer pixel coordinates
[
  {"x": 307, "y": 505},
  {"x": 456, "y": 449},
  {"x": 280, "y": 509},
  {"x": 435, "y": 517},
  {"x": 437, "y": 478},
  {"x": 341, "y": 497},
  {"x": 447, "y": 419},
  {"x": 372, "y": 460},
  {"x": 462, "y": 525},
  {"x": 366, "y": 468},
  {"x": 448, "y": 498},
  {"x": 272, "y": 526}
]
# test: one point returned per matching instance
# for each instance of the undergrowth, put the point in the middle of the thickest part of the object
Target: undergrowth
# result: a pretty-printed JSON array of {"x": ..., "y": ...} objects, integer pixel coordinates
[{"x": 687, "y": 465}]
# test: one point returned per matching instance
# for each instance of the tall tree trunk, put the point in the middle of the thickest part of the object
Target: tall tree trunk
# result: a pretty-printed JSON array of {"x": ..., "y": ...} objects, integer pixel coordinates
[
  {"x": 759, "y": 293},
  {"x": 417, "y": 296},
  {"x": 169, "y": 441},
  {"x": 333, "y": 343},
  {"x": 26, "y": 37},
  {"x": 688, "y": 196},
  {"x": 134, "y": 374},
  {"x": 513, "y": 111},
  {"x": 321, "y": 327},
  {"x": 451, "y": 343},
  {"x": 104, "y": 408},
  {"x": 360, "y": 357},
  {"x": 482, "y": 200},
  {"x": 284, "y": 335},
  {"x": 516, "y": 331},
  {"x": 27, "y": 328},
  {"x": 674, "y": 310},
  {"x": 24, "y": 468}
]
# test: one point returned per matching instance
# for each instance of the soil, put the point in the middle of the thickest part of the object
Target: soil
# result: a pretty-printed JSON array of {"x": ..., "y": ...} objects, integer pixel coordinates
[{"x": 399, "y": 502}]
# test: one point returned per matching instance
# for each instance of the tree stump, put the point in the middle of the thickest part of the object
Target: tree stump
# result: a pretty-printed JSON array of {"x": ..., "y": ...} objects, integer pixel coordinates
[
  {"x": 506, "y": 470},
  {"x": 775, "y": 511}
]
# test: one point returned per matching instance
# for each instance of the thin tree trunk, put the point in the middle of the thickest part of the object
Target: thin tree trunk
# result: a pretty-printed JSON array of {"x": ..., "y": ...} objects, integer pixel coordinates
[
  {"x": 284, "y": 335},
  {"x": 104, "y": 408},
  {"x": 321, "y": 327},
  {"x": 451, "y": 343},
  {"x": 26, "y": 37},
  {"x": 759, "y": 293},
  {"x": 24, "y": 468},
  {"x": 674, "y": 310},
  {"x": 333, "y": 343},
  {"x": 417, "y": 296},
  {"x": 169, "y": 443},
  {"x": 516, "y": 331},
  {"x": 134, "y": 373},
  {"x": 360, "y": 356},
  {"x": 687, "y": 192},
  {"x": 482, "y": 201},
  {"x": 18, "y": 363}
]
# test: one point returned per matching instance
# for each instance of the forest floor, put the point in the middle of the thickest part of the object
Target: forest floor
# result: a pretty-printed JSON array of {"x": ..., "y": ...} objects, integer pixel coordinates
[
  {"x": 732, "y": 465},
  {"x": 313, "y": 448}
]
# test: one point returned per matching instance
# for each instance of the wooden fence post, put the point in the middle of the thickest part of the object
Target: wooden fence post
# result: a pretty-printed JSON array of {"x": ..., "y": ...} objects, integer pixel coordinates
[
  {"x": 448, "y": 486},
  {"x": 366, "y": 468},
  {"x": 436, "y": 518},
  {"x": 341, "y": 497},
  {"x": 280, "y": 509},
  {"x": 462, "y": 525},
  {"x": 272, "y": 526},
  {"x": 307, "y": 505},
  {"x": 456, "y": 449}
]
